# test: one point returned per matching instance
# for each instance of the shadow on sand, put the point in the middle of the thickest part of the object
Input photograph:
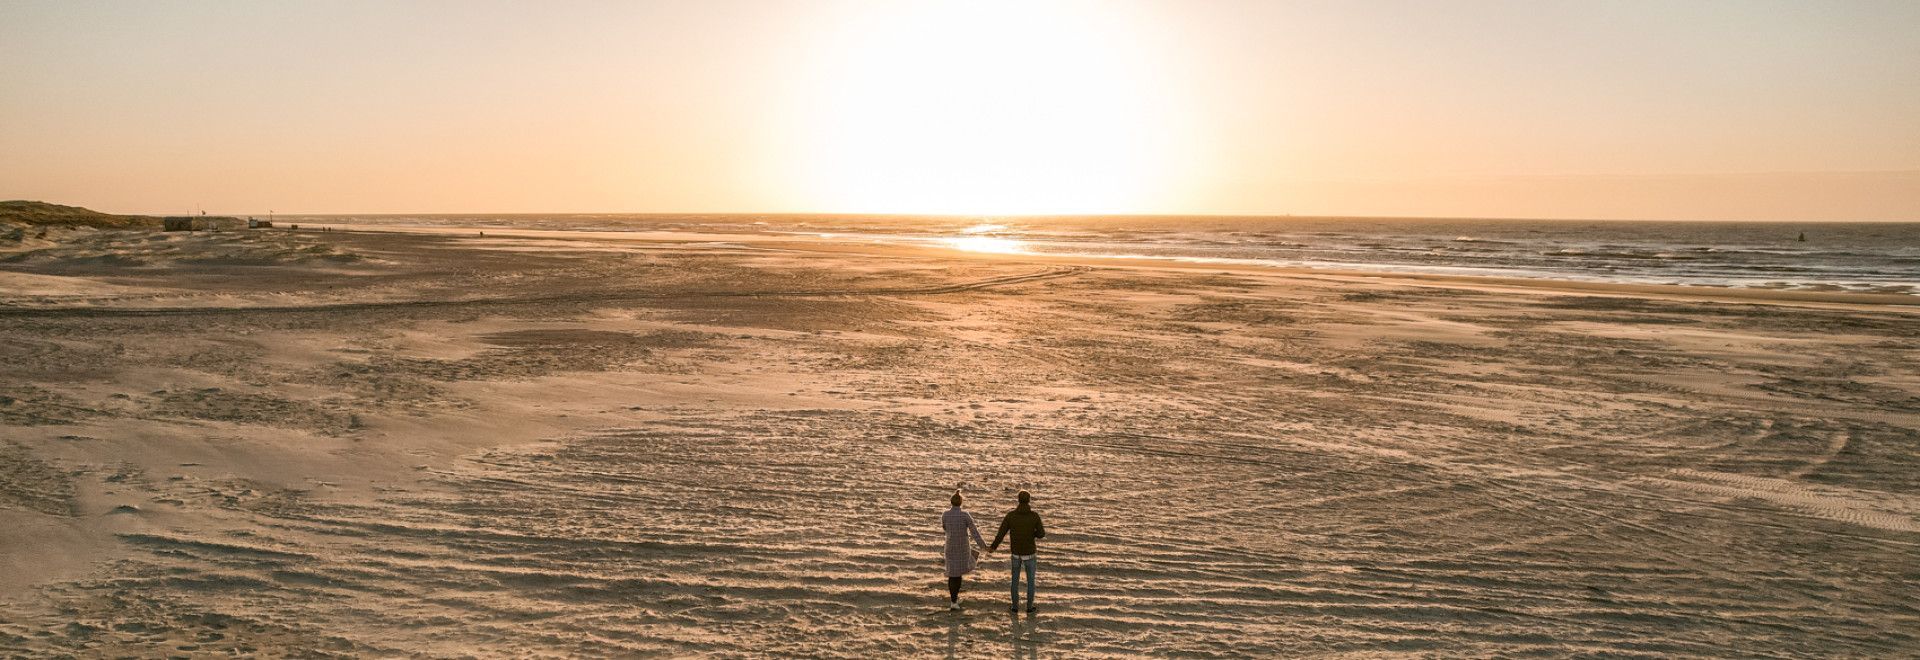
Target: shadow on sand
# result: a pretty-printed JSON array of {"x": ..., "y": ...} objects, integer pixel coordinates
[{"x": 1023, "y": 636}]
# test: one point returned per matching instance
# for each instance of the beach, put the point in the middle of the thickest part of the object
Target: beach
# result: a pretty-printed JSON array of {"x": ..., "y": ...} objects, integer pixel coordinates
[{"x": 448, "y": 441}]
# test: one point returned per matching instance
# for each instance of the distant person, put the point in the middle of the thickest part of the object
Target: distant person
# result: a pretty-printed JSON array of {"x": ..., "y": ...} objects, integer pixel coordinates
[
  {"x": 961, "y": 557},
  {"x": 1025, "y": 527}
]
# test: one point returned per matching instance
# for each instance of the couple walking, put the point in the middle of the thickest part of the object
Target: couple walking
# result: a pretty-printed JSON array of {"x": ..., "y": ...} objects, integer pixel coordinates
[{"x": 1021, "y": 523}]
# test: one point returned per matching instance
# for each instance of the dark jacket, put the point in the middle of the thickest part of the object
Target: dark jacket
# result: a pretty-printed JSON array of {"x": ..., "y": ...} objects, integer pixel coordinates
[{"x": 1025, "y": 526}]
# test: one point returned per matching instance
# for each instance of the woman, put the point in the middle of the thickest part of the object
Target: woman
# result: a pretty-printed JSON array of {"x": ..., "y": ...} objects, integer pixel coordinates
[{"x": 960, "y": 556}]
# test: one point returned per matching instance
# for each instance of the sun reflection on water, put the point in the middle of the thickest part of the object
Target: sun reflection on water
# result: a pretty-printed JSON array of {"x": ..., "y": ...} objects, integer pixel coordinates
[{"x": 988, "y": 244}]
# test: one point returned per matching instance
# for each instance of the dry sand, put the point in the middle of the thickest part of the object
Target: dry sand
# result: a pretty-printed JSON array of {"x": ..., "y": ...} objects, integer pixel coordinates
[{"x": 430, "y": 443}]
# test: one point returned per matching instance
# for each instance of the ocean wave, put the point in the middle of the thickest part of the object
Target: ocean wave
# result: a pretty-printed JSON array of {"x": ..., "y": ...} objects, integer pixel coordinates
[{"x": 1877, "y": 258}]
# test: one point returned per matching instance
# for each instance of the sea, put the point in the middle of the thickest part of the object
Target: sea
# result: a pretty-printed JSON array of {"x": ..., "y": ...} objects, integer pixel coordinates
[{"x": 1869, "y": 257}]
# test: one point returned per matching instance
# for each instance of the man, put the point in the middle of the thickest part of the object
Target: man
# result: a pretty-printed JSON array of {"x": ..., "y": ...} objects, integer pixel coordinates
[{"x": 1025, "y": 527}]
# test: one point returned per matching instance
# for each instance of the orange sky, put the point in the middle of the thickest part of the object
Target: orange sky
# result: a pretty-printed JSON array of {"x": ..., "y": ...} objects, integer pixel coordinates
[{"x": 1745, "y": 109}]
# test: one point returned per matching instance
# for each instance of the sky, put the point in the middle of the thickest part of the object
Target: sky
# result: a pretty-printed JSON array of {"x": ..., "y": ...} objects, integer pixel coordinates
[{"x": 1669, "y": 109}]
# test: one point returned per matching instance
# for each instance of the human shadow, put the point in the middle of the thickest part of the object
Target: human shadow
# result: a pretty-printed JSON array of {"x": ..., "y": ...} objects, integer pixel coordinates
[
  {"x": 1022, "y": 634},
  {"x": 954, "y": 624}
]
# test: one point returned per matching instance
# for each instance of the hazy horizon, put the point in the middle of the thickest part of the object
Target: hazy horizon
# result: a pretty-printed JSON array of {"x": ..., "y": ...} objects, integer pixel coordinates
[
  {"x": 1010, "y": 216},
  {"x": 1769, "y": 111}
]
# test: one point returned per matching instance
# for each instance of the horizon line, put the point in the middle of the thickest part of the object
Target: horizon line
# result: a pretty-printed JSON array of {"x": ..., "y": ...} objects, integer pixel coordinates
[{"x": 994, "y": 216}]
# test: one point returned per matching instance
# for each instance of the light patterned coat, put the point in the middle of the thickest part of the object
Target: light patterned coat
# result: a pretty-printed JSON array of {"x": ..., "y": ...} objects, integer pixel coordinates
[{"x": 960, "y": 557}]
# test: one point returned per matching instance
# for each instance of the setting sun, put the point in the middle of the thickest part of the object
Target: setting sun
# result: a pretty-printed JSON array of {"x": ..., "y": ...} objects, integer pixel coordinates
[{"x": 989, "y": 108}]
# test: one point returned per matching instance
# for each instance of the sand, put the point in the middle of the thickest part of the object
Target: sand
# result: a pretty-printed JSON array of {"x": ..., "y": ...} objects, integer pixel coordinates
[{"x": 365, "y": 443}]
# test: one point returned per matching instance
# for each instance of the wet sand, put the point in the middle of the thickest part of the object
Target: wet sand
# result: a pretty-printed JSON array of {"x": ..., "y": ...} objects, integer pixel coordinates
[{"x": 534, "y": 444}]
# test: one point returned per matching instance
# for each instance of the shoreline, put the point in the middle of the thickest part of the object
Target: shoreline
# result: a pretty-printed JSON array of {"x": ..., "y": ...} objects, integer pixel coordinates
[{"x": 1822, "y": 299}]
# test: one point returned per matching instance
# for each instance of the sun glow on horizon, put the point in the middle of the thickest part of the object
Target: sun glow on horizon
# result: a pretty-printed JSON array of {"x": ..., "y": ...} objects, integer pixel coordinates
[
  {"x": 968, "y": 108},
  {"x": 990, "y": 108}
]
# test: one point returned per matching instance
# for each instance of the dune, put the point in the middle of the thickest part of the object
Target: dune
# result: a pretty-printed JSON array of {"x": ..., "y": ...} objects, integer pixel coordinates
[{"x": 36, "y": 214}]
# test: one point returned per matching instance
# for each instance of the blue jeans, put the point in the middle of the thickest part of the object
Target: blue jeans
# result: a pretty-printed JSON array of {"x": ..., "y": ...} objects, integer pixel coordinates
[{"x": 1017, "y": 564}]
